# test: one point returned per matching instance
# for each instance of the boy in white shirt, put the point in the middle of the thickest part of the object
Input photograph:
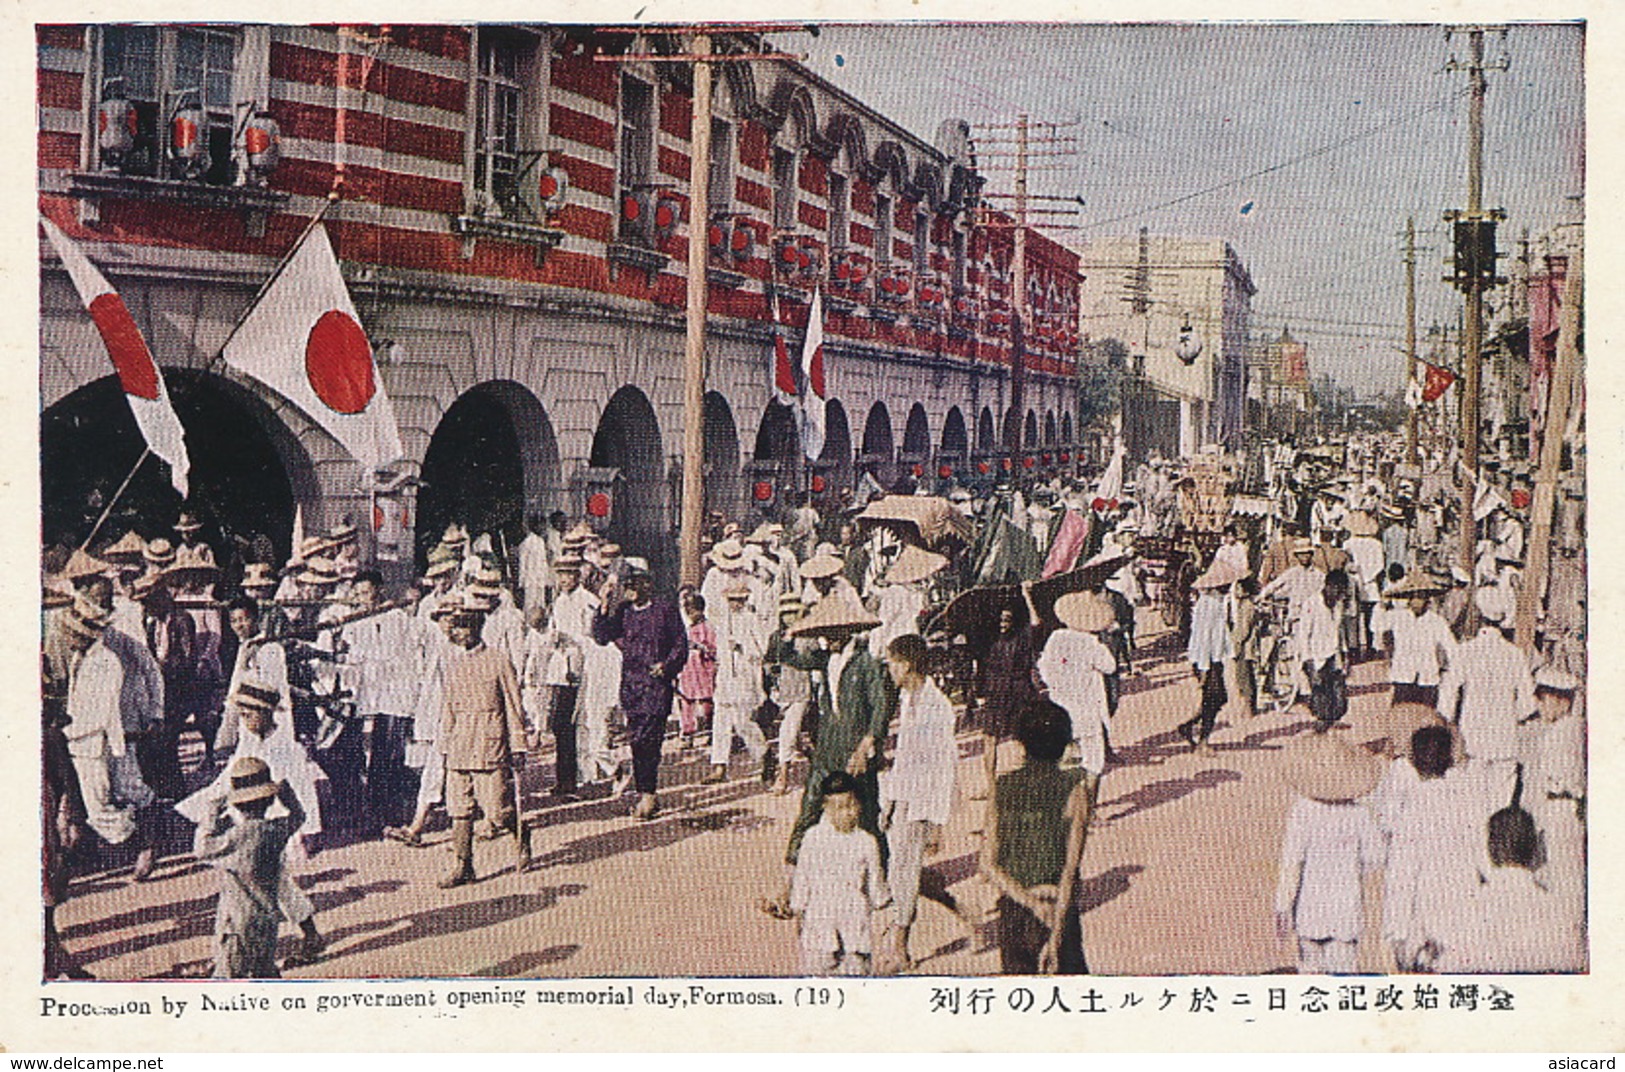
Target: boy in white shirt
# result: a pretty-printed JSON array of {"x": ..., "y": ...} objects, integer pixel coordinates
[{"x": 838, "y": 885}]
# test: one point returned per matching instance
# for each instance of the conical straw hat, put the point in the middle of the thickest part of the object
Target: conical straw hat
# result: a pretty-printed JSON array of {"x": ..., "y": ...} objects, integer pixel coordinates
[
  {"x": 1325, "y": 767},
  {"x": 837, "y": 613}
]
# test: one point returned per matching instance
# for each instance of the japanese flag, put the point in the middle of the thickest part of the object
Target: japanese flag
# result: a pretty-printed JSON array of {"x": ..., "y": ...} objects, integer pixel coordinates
[
  {"x": 137, "y": 372},
  {"x": 304, "y": 340},
  {"x": 815, "y": 401}
]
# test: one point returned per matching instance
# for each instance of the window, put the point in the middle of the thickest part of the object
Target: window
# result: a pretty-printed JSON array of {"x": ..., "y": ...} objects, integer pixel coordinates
[
  {"x": 959, "y": 261},
  {"x": 784, "y": 190},
  {"x": 720, "y": 191},
  {"x": 883, "y": 220},
  {"x": 637, "y": 132},
  {"x": 162, "y": 70},
  {"x": 497, "y": 94},
  {"x": 922, "y": 245},
  {"x": 839, "y": 205}
]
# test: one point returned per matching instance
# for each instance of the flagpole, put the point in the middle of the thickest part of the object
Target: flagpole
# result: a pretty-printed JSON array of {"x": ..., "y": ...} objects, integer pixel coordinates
[{"x": 108, "y": 509}]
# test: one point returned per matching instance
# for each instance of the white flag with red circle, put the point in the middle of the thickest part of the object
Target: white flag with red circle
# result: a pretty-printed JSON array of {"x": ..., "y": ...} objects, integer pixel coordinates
[
  {"x": 137, "y": 372},
  {"x": 304, "y": 340},
  {"x": 815, "y": 399}
]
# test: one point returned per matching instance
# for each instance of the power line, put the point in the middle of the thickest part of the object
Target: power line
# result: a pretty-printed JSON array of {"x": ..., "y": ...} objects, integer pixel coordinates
[{"x": 1290, "y": 162}]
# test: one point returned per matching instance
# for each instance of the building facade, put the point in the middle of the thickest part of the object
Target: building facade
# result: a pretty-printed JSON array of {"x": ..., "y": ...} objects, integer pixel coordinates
[
  {"x": 1182, "y": 306},
  {"x": 509, "y": 205}
]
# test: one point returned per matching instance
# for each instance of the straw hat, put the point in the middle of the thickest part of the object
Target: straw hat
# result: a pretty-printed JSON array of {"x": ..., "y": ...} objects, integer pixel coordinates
[
  {"x": 825, "y": 562},
  {"x": 54, "y": 593},
  {"x": 568, "y": 563},
  {"x": 197, "y": 559},
  {"x": 838, "y": 613},
  {"x": 342, "y": 533},
  {"x": 80, "y": 565},
  {"x": 734, "y": 592},
  {"x": 914, "y": 564},
  {"x": 579, "y": 533},
  {"x": 790, "y": 601},
  {"x": 159, "y": 554},
  {"x": 456, "y": 605},
  {"x": 1087, "y": 612},
  {"x": 250, "y": 781},
  {"x": 1400, "y": 722},
  {"x": 1218, "y": 575},
  {"x": 187, "y": 522},
  {"x": 1392, "y": 512},
  {"x": 1303, "y": 545},
  {"x": 728, "y": 554},
  {"x": 319, "y": 571},
  {"x": 1360, "y": 523},
  {"x": 1419, "y": 583},
  {"x": 766, "y": 531},
  {"x": 636, "y": 567},
  {"x": 455, "y": 535},
  {"x": 1328, "y": 768},
  {"x": 257, "y": 575},
  {"x": 128, "y": 549},
  {"x": 256, "y": 694}
]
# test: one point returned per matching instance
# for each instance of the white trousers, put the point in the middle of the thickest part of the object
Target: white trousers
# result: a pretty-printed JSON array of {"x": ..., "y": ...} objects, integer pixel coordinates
[
  {"x": 113, "y": 793},
  {"x": 729, "y": 719},
  {"x": 1327, "y": 956},
  {"x": 822, "y": 962},
  {"x": 790, "y": 729},
  {"x": 594, "y": 754},
  {"x": 905, "y": 843}
]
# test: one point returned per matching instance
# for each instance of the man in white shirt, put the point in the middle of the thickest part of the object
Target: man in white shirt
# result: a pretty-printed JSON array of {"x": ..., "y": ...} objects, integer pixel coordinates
[
  {"x": 1421, "y": 643},
  {"x": 917, "y": 789},
  {"x": 1073, "y": 667},
  {"x": 381, "y": 668},
  {"x": 560, "y": 663},
  {"x": 739, "y": 692},
  {"x": 1488, "y": 690},
  {"x": 117, "y": 800},
  {"x": 536, "y": 551}
]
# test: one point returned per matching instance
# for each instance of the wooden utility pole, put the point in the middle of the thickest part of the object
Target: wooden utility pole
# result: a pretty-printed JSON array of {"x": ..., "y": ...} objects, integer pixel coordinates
[
  {"x": 1410, "y": 339},
  {"x": 1018, "y": 304},
  {"x": 1554, "y": 430},
  {"x": 699, "y": 200}
]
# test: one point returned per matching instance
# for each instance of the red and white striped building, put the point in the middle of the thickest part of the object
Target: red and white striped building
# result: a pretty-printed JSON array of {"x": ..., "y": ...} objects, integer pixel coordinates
[{"x": 511, "y": 213}]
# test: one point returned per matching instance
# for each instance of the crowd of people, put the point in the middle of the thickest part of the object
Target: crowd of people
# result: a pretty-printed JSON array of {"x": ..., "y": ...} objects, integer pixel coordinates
[{"x": 278, "y": 709}]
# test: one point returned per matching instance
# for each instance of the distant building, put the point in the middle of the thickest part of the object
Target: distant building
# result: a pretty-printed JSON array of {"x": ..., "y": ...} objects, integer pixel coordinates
[
  {"x": 1183, "y": 308},
  {"x": 1282, "y": 384}
]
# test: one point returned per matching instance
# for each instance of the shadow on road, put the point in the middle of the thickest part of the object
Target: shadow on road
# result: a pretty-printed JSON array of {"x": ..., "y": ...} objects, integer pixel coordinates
[
  {"x": 447, "y": 919},
  {"x": 1155, "y": 794},
  {"x": 528, "y": 962},
  {"x": 1106, "y": 886}
]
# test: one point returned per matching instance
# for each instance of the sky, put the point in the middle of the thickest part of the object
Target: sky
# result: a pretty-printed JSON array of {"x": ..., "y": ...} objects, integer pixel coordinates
[{"x": 1321, "y": 139}]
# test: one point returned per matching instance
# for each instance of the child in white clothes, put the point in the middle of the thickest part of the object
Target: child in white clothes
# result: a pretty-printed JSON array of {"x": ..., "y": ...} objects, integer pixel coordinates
[{"x": 838, "y": 885}]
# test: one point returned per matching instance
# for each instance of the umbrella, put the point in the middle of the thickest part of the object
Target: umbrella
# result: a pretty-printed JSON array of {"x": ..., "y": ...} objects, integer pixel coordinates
[{"x": 927, "y": 520}]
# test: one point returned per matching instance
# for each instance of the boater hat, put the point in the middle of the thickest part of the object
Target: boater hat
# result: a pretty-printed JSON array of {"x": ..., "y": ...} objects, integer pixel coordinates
[
  {"x": 914, "y": 564},
  {"x": 319, "y": 571},
  {"x": 1087, "y": 612},
  {"x": 160, "y": 554},
  {"x": 85, "y": 618},
  {"x": 257, "y": 575},
  {"x": 255, "y": 694},
  {"x": 250, "y": 781},
  {"x": 728, "y": 554},
  {"x": 1419, "y": 583},
  {"x": 837, "y": 614},
  {"x": 1327, "y": 768}
]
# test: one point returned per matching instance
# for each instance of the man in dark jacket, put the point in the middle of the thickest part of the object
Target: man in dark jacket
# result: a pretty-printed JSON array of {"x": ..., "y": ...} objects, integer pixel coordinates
[{"x": 654, "y": 646}]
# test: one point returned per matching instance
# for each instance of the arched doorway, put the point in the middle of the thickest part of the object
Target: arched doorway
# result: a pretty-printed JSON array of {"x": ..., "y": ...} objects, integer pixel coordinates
[
  {"x": 987, "y": 436},
  {"x": 722, "y": 491},
  {"x": 917, "y": 435},
  {"x": 247, "y": 469},
  {"x": 776, "y": 438},
  {"x": 1049, "y": 429},
  {"x": 492, "y": 461},
  {"x": 835, "y": 460},
  {"x": 1066, "y": 428},
  {"x": 628, "y": 440},
  {"x": 877, "y": 450},
  {"x": 1029, "y": 437}
]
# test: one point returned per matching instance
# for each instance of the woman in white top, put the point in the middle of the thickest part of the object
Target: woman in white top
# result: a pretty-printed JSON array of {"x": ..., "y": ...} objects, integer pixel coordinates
[{"x": 917, "y": 790}]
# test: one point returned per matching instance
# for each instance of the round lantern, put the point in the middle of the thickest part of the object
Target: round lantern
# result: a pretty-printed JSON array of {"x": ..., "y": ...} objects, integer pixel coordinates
[
  {"x": 666, "y": 211},
  {"x": 116, "y": 125},
  {"x": 983, "y": 468},
  {"x": 818, "y": 484},
  {"x": 1004, "y": 463},
  {"x": 1028, "y": 462},
  {"x": 945, "y": 471},
  {"x": 598, "y": 504},
  {"x": 1065, "y": 457},
  {"x": 262, "y": 144},
  {"x": 762, "y": 491},
  {"x": 186, "y": 134},
  {"x": 918, "y": 470}
]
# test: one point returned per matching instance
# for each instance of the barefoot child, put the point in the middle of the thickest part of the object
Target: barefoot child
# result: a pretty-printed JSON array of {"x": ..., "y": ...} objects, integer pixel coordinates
[{"x": 838, "y": 885}]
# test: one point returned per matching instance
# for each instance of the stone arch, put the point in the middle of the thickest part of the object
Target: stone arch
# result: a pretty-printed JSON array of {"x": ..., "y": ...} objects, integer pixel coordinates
[
  {"x": 722, "y": 487},
  {"x": 987, "y": 436},
  {"x": 627, "y": 439},
  {"x": 917, "y": 434},
  {"x": 955, "y": 441},
  {"x": 492, "y": 461},
  {"x": 890, "y": 160},
  {"x": 877, "y": 452},
  {"x": 836, "y": 457},
  {"x": 794, "y": 101},
  {"x": 249, "y": 470},
  {"x": 776, "y": 436}
]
